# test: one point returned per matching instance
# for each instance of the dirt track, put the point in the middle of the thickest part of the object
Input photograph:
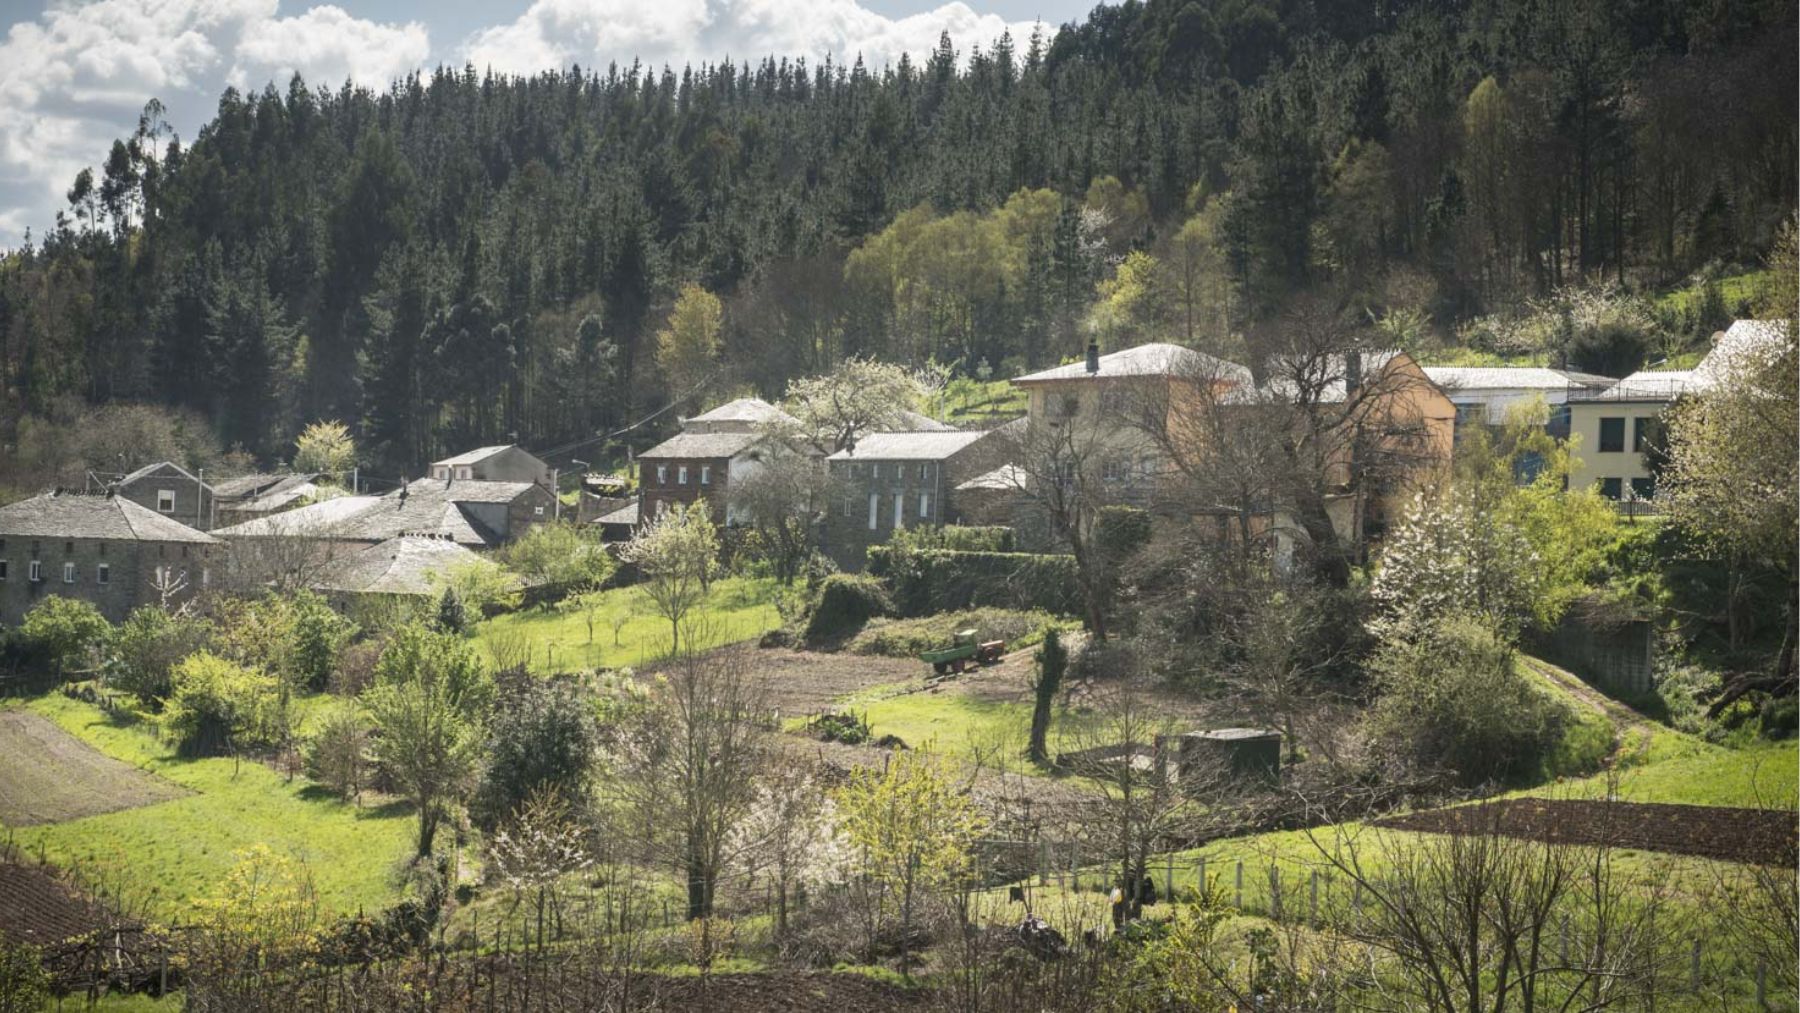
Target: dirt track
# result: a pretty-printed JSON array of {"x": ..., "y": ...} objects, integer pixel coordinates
[
  {"x": 1759, "y": 836},
  {"x": 48, "y": 775}
]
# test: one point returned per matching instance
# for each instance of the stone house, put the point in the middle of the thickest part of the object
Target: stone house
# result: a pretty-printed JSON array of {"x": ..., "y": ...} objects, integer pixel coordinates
[
  {"x": 889, "y": 481},
  {"x": 171, "y": 490},
  {"x": 493, "y": 464},
  {"x": 475, "y": 514},
  {"x": 713, "y": 450},
  {"x": 103, "y": 548}
]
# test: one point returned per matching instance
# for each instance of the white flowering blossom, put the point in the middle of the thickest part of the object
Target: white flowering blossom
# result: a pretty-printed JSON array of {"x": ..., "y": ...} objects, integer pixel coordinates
[{"x": 1446, "y": 557}]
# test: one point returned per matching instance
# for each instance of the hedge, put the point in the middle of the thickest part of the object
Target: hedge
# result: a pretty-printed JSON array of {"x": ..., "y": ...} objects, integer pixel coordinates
[
  {"x": 940, "y": 580},
  {"x": 846, "y": 601},
  {"x": 957, "y": 537}
]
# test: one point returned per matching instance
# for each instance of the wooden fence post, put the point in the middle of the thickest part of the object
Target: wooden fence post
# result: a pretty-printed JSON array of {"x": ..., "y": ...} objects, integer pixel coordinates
[
  {"x": 1200, "y": 878},
  {"x": 1240, "y": 884},
  {"x": 1694, "y": 966}
]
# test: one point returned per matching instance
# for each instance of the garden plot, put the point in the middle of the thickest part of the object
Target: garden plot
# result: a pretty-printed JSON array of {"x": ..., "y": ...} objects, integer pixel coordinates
[
  {"x": 1760, "y": 836},
  {"x": 49, "y": 776},
  {"x": 38, "y": 908}
]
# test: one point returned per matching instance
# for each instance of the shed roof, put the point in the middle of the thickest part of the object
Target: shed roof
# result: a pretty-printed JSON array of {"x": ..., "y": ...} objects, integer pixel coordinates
[
  {"x": 627, "y": 514},
  {"x": 75, "y": 515},
  {"x": 927, "y": 446}
]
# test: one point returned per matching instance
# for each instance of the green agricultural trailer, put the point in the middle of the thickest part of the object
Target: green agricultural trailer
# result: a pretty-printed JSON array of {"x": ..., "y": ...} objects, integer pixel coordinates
[{"x": 964, "y": 649}]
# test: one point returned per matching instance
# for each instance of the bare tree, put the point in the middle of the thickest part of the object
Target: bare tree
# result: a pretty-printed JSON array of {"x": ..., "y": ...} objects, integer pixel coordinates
[
  {"x": 786, "y": 498},
  {"x": 686, "y": 765},
  {"x": 1061, "y": 468}
]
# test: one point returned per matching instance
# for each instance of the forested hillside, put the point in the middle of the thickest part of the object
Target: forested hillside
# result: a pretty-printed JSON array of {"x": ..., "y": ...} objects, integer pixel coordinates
[{"x": 464, "y": 259}]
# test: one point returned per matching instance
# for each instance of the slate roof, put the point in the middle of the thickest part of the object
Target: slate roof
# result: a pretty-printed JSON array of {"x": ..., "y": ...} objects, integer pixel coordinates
[
  {"x": 928, "y": 446},
  {"x": 150, "y": 469},
  {"x": 473, "y": 456},
  {"x": 260, "y": 484},
  {"x": 1154, "y": 359},
  {"x": 917, "y": 423},
  {"x": 271, "y": 501},
  {"x": 430, "y": 506},
  {"x": 404, "y": 564},
  {"x": 73, "y": 515},
  {"x": 627, "y": 514},
  {"x": 744, "y": 409},
  {"x": 691, "y": 445},
  {"x": 1465, "y": 378}
]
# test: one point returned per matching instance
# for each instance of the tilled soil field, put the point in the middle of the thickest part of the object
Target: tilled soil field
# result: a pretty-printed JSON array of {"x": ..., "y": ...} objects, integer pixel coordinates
[
  {"x": 1756, "y": 836},
  {"x": 38, "y": 908},
  {"x": 48, "y": 775}
]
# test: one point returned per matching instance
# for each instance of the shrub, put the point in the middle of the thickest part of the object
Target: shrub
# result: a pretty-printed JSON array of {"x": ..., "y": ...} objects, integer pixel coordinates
[
  {"x": 559, "y": 556},
  {"x": 1452, "y": 697},
  {"x": 1120, "y": 531},
  {"x": 846, "y": 602},
  {"x": 932, "y": 580},
  {"x": 65, "y": 631},
  {"x": 24, "y": 984},
  {"x": 907, "y": 638},
  {"x": 338, "y": 754},
  {"x": 319, "y": 635},
  {"x": 217, "y": 707},
  {"x": 146, "y": 648},
  {"x": 452, "y": 617},
  {"x": 955, "y": 537},
  {"x": 543, "y": 739}
]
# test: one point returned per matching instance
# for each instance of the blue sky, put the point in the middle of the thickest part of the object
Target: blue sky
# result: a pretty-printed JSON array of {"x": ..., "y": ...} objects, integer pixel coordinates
[{"x": 75, "y": 75}]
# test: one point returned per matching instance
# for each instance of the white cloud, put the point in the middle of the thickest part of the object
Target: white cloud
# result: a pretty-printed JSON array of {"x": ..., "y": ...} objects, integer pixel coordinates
[
  {"x": 75, "y": 78},
  {"x": 555, "y": 33},
  {"x": 326, "y": 44}
]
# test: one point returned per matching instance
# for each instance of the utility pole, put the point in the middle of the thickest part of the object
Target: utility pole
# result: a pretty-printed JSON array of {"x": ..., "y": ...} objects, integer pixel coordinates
[{"x": 200, "y": 498}]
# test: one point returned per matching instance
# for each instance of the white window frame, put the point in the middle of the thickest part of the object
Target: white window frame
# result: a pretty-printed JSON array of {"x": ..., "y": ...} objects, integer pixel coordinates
[
  {"x": 662, "y": 474},
  {"x": 69, "y": 573},
  {"x": 874, "y": 511},
  {"x": 36, "y": 575},
  {"x": 924, "y": 470},
  {"x": 681, "y": 474},
  {"x": 706, "y": 474},
  {"x": 875, "y": 470},
  {"x": 537, "y": 511},
  {"x": 165, "y": 501},
  {"x": 899, "y": 510},
  {"x": 465, "y": 472},
  {"x": 103, "y": 574},
  {"x": 924, "y": 506}
]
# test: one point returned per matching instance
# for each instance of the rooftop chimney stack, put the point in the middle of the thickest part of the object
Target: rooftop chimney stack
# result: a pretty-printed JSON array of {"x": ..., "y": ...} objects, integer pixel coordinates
[
  {"x": 1352, "y": 372},
  {"x": 1093, "y": 357}
]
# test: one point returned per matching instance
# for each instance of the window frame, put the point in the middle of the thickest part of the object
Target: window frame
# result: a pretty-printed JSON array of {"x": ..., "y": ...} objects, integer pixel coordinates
[
  {"x": 662, "y": 474},
  {"x": 681, "y": 471},
  {"x": 706, "y": 474},
  {"x": 103, "y": 574},
  {"x": 924, "y": 506},
  {"x": 36, "y": 572},
  {"x": 69, "y": 572},
  {"x": 165, "y": 496},
  {"x": 1601, "y": 443},
  {"x": 1613, "y": 488}
]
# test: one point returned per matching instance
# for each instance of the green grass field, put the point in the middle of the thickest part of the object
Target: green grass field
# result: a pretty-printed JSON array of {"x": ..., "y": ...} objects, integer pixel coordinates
[
  {"x": 969, "y": 400},
  {"x": 739, "y": 608},
  {"x": 172, "y": 852}
]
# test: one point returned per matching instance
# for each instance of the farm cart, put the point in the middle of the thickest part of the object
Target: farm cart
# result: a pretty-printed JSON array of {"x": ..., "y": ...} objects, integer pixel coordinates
[{"x": 963, "y": 649}]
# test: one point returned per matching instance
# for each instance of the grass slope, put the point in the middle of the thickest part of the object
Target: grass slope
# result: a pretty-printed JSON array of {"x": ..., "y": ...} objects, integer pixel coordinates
[
  {"x": 739, "y": 608},
  {"x": 175, "y": 851}
]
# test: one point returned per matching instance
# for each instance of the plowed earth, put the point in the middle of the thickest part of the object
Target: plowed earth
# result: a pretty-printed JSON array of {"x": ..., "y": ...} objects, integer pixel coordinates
[
  {"x": 38, "y": 908},
  {"x": 48, "y": 775},
  {"x": 1754, "y": 836}
]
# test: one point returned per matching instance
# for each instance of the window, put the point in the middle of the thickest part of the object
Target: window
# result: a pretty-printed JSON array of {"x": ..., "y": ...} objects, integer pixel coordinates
[
  {"x": 874, "y": 510},
  {"x": 1467, "y": 413},
  {"x": 1611, "y": 488},
  {"x": 1612, "y": 436},
  {"x": 681, "y": 475},
  {"x": 925, "y": 471},
  {"x": 68, "y": 548},
  {"x": 537, "y": 511},
  {"x": 1643, "y": 488},
  {"x": 103, "y": 574},
  {"x": 662, "y": 474},
  {"x": 1114, "y": 470},
  {"x": 37, "y": 571},
  {"x": 165, "y": 500},
  {"x": 924, "y": 506},
  {"x": 1646, "y": 432},
  {"x": 1112, "y": 400},
  {"x": 205, "y": 577},
  {"x": 440, "y": 472},
  {"x": 1067, "y": 405},
  {"x": 2, "y": 569},
  {"x": 874, "y": 471},
  {"x": 68, "y": 573},
  {"x": 849, "y": 507},
  {"x": 706, "y": 474},
  {"x": 899, "y": 510},
  {"x": 465, "y": 472}
]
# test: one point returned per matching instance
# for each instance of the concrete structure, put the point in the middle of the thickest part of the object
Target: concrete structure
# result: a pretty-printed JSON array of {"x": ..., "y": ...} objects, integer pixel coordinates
[
  {"x": 102, "y": 548},
  {"x": 1485, "y": 394},
  {"x": 493, "y": 464},
  {"x": 890, "y": 481}
]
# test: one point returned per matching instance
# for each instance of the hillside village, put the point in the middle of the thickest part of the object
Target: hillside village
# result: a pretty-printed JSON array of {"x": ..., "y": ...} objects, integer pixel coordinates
[
  {"x": 1182, "y": 506},
  {"x": 882, "y": 608}
]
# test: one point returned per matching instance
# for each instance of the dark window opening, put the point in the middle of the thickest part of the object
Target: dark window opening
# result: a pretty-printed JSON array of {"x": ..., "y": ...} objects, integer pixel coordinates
[
  {"x": 1612, "y": 436},
  {"x": 1612, "y": 488}
]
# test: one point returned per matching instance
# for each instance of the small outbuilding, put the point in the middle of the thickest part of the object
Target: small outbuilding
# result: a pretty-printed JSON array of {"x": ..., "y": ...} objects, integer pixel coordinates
[{"x": 1237, "y": 753}]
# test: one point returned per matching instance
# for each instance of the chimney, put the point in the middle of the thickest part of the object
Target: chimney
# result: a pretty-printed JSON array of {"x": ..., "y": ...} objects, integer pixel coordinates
[
  {"x": 1093, "y": 357},
  {"x": 1352, "y": 373}
]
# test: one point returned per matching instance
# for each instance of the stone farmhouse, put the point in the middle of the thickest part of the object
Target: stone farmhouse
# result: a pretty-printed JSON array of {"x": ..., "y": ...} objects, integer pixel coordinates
[
  {"x": 100, "y": 547},
  {"x": 173, "y": 491},
  {"x": 890, "y": 481}
]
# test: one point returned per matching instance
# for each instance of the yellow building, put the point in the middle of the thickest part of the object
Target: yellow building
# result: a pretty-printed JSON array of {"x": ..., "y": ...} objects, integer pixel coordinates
[{"x": 1614, "y": 430}]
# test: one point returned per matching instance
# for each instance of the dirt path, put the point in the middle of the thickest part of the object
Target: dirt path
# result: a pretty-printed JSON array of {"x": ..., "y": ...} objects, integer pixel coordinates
[
  {"x": 1631, "y": 730},
  {"x": 48, "y": 775}
]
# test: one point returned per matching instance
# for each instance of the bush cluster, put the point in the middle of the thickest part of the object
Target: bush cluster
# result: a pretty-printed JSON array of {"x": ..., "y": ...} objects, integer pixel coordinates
[
  {"x": 936, "y": 580},
  {"x": 846, "y": 601},
  {"x": 907, "y": 638}
]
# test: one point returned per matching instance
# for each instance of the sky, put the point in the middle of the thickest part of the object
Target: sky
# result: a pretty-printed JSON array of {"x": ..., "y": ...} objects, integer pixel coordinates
[{"x": 75, "y": 74}]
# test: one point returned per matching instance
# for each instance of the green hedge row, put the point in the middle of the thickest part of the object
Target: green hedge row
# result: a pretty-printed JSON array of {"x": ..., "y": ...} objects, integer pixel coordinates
[{"x": 940, "y": 580}]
